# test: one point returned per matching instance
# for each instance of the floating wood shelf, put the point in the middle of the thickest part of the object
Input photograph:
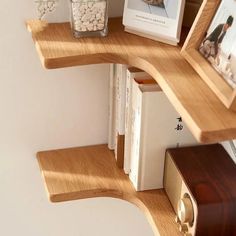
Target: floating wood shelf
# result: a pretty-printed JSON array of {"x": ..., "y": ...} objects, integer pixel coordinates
[
  {"x": 87, "y": 172},
  {"x": 204, "y": 114}
]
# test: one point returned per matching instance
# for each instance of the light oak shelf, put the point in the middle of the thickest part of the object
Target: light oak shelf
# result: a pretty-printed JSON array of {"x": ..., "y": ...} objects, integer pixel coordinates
[
  {"x": 88, "y": 172},
  {"x": 204, "y": 114}
]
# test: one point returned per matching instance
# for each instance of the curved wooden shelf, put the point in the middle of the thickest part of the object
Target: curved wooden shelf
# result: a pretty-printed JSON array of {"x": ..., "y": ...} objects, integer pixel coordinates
[
  {"x": 88, "y": 172},
  {"x": 204, "y": 114}
]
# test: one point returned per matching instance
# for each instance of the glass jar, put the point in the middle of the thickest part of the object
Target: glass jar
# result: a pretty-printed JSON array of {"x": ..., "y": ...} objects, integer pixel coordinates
[{"x": 89, "y": 17}]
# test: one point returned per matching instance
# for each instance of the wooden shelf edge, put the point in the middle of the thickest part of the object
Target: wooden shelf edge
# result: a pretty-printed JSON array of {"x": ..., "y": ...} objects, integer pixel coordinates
[
  {"x": 199, "y": 107},
  {"x": 110, "y": 194},
  {"x": 90, "y": 172}
]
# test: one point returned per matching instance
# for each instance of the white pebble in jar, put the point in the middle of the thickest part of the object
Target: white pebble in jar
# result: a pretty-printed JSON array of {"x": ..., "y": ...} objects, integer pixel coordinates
[{"x": 89, "y": 15}]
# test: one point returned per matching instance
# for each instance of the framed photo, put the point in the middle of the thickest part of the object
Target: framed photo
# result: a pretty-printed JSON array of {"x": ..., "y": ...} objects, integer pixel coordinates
[
  {"x": 157, "y": 19},
  {"x": 211, "y": 48}
]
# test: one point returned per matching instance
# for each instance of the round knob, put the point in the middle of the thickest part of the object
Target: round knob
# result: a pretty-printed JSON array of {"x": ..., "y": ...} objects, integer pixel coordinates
[
  {"x": 183, "y": 228},
  {"x": 177, "y": 219},
  {"x": 185, "y": 210}
]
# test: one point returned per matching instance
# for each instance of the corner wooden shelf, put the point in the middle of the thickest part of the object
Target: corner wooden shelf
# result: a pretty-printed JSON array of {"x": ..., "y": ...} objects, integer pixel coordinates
[
  {"x": 204, "y": 114},
  {"x": 87, "y": 172}
]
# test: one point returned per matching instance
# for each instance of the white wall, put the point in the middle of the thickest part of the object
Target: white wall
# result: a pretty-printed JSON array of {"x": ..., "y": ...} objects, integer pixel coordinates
[{"x": 47, "y": 109}]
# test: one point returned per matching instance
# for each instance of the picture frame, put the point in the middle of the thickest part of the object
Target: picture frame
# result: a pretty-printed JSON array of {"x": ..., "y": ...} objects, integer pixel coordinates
[
  {"x": 193, "y": 52},
  {"x": 159, "y": 20}
]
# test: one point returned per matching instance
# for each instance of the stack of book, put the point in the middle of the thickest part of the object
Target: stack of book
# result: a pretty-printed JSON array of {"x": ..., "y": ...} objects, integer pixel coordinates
[
  {"x": 156, "y": 127},
  {"x": 148, "y": 124}
]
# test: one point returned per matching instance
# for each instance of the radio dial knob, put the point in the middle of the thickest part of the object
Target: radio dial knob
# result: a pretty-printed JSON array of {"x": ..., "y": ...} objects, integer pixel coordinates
[
  {"x": 183, "y": 228},
  {"x": 185, "y": 210},
  {"x": 177, "y": 220}
]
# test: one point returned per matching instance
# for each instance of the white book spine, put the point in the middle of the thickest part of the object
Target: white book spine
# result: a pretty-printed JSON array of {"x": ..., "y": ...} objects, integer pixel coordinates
[
  {"x": 135, "y": 134},
  {"x": 112, "y": 108},
  {"x": 116, "y": 87},
  {"x": 131, "y": 74},
  {"x": 121, "y": 98},
  {"x": 120, "y": 102}
]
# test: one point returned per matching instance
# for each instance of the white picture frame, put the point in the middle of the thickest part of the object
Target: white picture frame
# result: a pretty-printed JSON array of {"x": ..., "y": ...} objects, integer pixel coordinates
[{"x": 161, "y": 23}]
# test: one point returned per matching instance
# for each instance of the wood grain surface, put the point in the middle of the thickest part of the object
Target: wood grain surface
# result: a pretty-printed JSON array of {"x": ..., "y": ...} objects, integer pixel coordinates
[
  {"x": 210, "y": 175},
  {"x": 88, "y": 172},
  {"x": 191, "y": 52},
  {"x": 202, "y": 111}
]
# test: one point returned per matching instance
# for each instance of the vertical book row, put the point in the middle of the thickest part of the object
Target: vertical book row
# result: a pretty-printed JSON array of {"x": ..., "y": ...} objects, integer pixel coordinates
[{"x": 142, "y": 125}]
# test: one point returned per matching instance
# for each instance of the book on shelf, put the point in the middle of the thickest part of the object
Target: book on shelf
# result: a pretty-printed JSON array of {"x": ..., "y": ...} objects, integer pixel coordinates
[
  {"x": 120, "y": 99},
  {"x": 132, "y": 73},
  {"x": 156, "y": 126},
  {"x": 117, "y": 94},
  {"x": 158, "y": 20},
  {"x": 116, "y": 120},
  {"x": 112, "y": 108}
]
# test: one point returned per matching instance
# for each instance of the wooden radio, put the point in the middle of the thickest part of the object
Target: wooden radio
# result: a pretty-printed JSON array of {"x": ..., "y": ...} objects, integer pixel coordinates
[{"x": 200, "y": 182}]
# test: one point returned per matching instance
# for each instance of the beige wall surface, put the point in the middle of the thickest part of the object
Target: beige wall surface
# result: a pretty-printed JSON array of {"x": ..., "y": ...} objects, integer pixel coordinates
[{"x": 46, "y": 109}]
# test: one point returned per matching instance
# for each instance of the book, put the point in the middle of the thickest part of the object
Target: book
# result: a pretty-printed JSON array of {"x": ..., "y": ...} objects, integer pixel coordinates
[
  {"x": 156, "y": 126},
  {"x": 159, "y": 22},
  {"x": 112, "y": 108},
  {"x": 121, "y": 98},
  {"x": 131, "y": 74},
  {"x": 120, "y": 113}
]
